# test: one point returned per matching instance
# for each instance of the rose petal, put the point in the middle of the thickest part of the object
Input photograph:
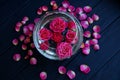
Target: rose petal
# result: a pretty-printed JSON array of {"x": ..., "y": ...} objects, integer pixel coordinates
[
  {"x": 93, "y": 41},
  {"x": 52, "y": 2},
  {"x": 17, "y": 28},
  {"x": 82, "y": 16},
  {"x": 30, "y": 52},
  {"x": 22, "y": 37},
  {"x": 26, "y": 31},
  {"x": 16, "y": 57},
  {"x": 87, "y": 9},
  {"x": 79, "y": 10},
  {"x": 33, "y": 61},
  {"x": 71, "y": 8},
  {"x": 95, "y": 17},
  {"x": 15, "y": 42},
  {"x": 32, "y": 45},
  {"x": 44, "y": 8},
  {"x": 39, "y": 11},
  {"x": 43, "y": 75},
  {"x": 71, "y": 74},
  {"x": 82, "y": 45},
  {"x": 90, "y": 20},
  {"x": 96, "y": 35},
  {"x": 96, "y": 47},
  {"x": 87, "y": 43},
  {"x": 24, "y": 47},
  {"x": 87, "y": 34},
  {"x": 31, "y": 26},
  {"x": 65, "y": 4},
  {"x": 27, "y": 40},
  {"x": 25, "y": 18},
  {"x": 84, "y": 68},
  {"x": 55, "y": 6},
  {"x": 23, "y": 22},
  {"x": 96, "y": 28},
  {"x": 36, "y": 20},
  {"x": 62, "y": 9},
  {"x": 18, "y": 24},
  {"x": 85, "y": 24},
  {"x": 62, "y": 70},
  {"x": 86, "y": 50}
]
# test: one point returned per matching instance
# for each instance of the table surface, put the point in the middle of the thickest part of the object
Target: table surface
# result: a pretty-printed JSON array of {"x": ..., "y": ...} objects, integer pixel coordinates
[{"x": 105, "y": 63}]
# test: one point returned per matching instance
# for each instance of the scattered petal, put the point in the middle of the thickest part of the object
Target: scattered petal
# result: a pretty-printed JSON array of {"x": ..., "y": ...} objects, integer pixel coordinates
[
  {"x": 16, "y": 57},
  {"x": 52, "y": 2},
  {"x": 82, "y": 45},
  {"x": 65, "y": 4},
  {"x": 62, "y": 70},
  {"x": 23, "y": 22},
  {"x": 26, "y": 30},
  {"x": 85, "y": 24},
  {"x": 44, "y": 8},
  {"x": 30, "y": 52},
  {"x": 25, "y": 18},
  {"x": 31, "y": 26},
  {"x": 71, "y": 74},
  {"x": 55, "y": 6},
  {"x": 87, "y": 34},
  {"x": 79, "y": 10},
  {"x": 62, "y": 9},
  {"x": 18, "y": 24},
  {"x": 87, "y": 9},
  {"x": 95, "y": 17},
  {"x": 33, "y": 61},
  {"x": 90, "y": 20},
  {"x": 96, "y": 28},
  {"x": 32, "y": 45},
  {"x": 84, "y": 68},
  {"x": 43, "y": 75},
  {"x": 96, "y": 35},
  {"x": 22, "y": 37},
  {"x": 24, "y": 47},
  {"x": 96, "y": 47},
  {"x": 15, "y": 42},
  {"x": 39, "y": 11},
  {"x": 27, "y": 40},
  {"x": 71, "y": 8},
  {"x": 93, "y": 41},
  {"x": 86, "y": 50},
  {"x": 87, "y": 43},
  {"x": 82, "y": 16},
  {"x": 17, "y": 28}
]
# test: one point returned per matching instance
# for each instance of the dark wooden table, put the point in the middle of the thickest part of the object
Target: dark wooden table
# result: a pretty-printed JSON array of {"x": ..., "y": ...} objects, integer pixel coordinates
[{"x": 105, "y": 63}]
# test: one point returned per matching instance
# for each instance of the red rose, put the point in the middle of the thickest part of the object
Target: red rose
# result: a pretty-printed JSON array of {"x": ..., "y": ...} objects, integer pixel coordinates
[
  {"x": 58, "y": 25},
  {"x": 45, "y": 34},
  {"x": 64, "y": 50},
  {"x": 70, "y": 36},
  {"x": 44, "y": 45},
  {"x": 57, "y": 37},
  {"x": 72, "y": 25}
]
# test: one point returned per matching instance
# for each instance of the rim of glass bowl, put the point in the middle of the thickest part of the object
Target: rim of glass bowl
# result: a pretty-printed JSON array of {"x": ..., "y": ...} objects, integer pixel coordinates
[{"x": 37, "y": 26}]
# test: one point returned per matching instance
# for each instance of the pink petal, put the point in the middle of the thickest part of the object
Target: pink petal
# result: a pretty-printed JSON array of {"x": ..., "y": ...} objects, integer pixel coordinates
[
  {"x": 33, "y": 61},
  {"x": 16, "y": 57},
  {"x": 62, "y": 9},
  {"x": 43, "y": 75},
  {"x": 85, "y": 24},
  {"x": 27, "y": 40},
  {"x": 96, "y": 47},
  {"x": 23, "y": 22},
  {"x": 71, "y": 8},
  {"x": 84, "y": 68},
  {"x": 62, "y": 70},
  {"x": 79, "y": 10},
  {"x": 17, "y": 28},
  {"x": 82, "y": 16},
  {"x": 30, "y": 52},
  {"x": 96, "y": 35},
  {"x": 87, "y": 9},
  {"x": 52, "y": 2},
  {"x": 87, "y": 43},
  {"x": 90, "y": 20},
  {"x": 32, "y": 45},
  {"x": 71, "y": 74},
  {"x": 31, "y": 26},
  {"x": 93, "y": 41},
  {"x": 25, "y": 18},
  {"x": 36, "y": 20},
  {"x": 26, "y": 30},
  {"x": 39, "y": 11},
  {"x": 44, "y": 8},
  {"x": 15, "y": 42},
  {"x": 86, "y": 50},
  {"x": 95, "y": 17},
  {"x": 18, "y": 24},
  {"x": 24, "y": 47},
  {"x": 87, "y": 34},
  {"x": 55, "y": 6},
  {"x": 65, "y": 4},
  {"x": 96, "y": 28},
  {"x": 22, "y": 37},
  {"x": 82, "y": 45}
]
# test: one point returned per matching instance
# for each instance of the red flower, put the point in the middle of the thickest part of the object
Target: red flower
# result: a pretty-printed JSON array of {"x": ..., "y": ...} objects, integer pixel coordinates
[
  {"x": 72, "y": 25},
  {"x": 45, "y": 34},
  {"x": 64, "y": 50},
  {"x": 58, "y": 25},
  {"x": 44, "y": 45},
  {"x": 70, "y": 36},
  {"x": 57, "y": 37}
]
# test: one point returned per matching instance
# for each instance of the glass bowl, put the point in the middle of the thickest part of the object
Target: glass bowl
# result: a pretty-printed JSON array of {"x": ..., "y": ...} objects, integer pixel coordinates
[{"x": 45, "y": 20}]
